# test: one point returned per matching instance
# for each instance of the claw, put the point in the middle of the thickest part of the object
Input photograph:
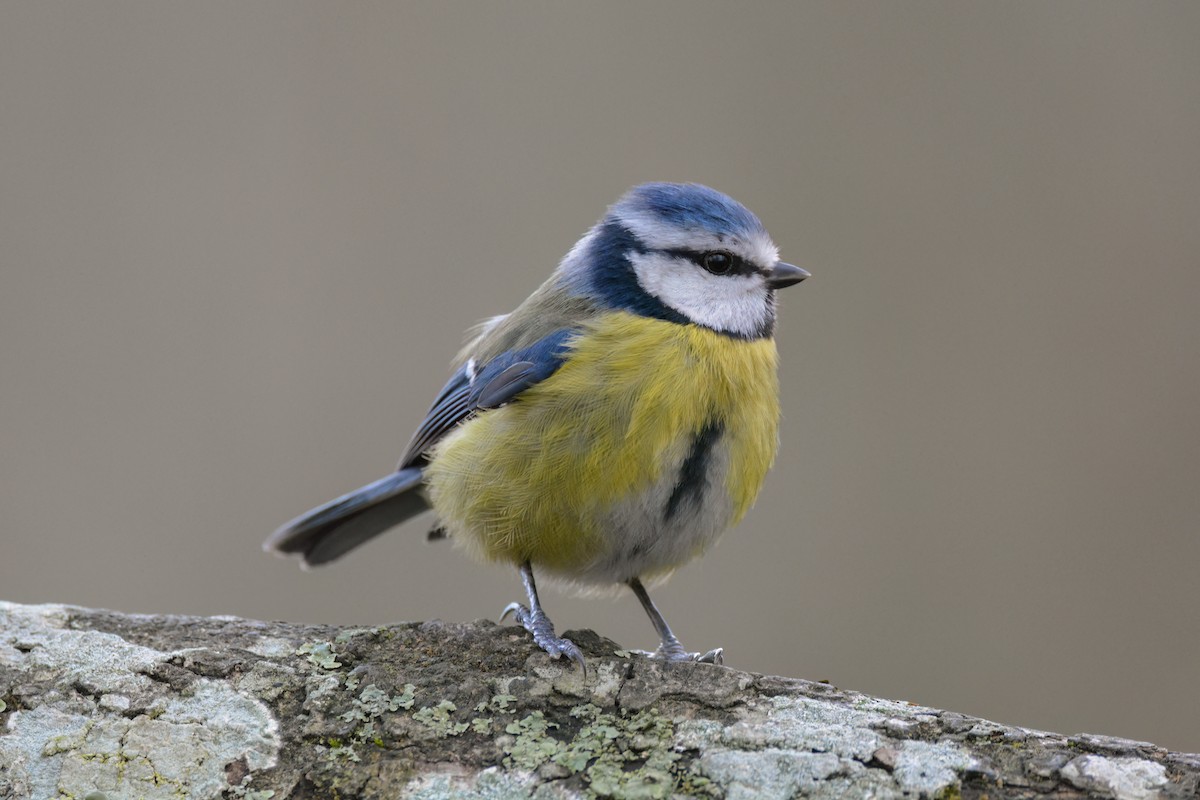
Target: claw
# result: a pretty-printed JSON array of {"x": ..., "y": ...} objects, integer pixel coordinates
[
  {"x": 539, "y": 625},
  {"x": 511, "y": 608},
  {"x": 571, "y": 651}
]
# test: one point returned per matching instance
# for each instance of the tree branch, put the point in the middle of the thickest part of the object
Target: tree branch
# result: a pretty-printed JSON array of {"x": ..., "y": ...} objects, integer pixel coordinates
[{"x": 99, "y": 704}]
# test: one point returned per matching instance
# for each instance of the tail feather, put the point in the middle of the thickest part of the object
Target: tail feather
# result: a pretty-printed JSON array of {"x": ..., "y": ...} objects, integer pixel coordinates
[{"x": 331, "y": 530}]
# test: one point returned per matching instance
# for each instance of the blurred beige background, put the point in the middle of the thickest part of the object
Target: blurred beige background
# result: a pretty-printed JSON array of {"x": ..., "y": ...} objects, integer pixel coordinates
[{"x": 239, "y": 244}]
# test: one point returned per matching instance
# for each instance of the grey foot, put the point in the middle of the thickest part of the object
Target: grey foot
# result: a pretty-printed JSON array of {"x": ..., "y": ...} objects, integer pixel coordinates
[
  {"x": 544, "y": 637},
  {"x": 714, "y": 656}
]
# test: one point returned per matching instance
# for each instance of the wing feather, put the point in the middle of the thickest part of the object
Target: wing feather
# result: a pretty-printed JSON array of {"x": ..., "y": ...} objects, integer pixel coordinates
[{"x": 491, "y": 385}]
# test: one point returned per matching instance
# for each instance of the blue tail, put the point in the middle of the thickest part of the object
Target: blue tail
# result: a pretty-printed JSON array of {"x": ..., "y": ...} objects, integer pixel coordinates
[{"x": 329, "y": 531}]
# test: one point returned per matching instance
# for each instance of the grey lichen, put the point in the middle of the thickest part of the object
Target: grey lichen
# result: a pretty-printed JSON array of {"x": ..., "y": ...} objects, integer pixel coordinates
[
  {"x": 66, "y": 741},
  {"x": 1120, "y": 778}
]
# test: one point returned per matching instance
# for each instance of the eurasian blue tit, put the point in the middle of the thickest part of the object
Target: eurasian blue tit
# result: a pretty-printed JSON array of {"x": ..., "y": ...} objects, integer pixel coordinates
[{"x": 612, "y": 426}]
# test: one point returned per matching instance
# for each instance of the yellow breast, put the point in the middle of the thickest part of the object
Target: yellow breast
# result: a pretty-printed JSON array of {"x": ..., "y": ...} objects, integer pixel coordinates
[{"x": 537, "y": 479}]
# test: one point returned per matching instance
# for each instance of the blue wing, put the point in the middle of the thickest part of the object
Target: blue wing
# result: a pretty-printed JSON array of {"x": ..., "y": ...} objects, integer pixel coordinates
[{"x": 491, "y": 385}]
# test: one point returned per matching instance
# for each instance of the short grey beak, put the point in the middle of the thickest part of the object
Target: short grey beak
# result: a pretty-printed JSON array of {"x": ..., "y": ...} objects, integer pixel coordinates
[{"x": 783, "y": 274}]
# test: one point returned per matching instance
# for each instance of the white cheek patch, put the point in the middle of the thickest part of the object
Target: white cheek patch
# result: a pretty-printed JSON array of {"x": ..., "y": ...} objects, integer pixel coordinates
[{"x": 738, "y": 304}]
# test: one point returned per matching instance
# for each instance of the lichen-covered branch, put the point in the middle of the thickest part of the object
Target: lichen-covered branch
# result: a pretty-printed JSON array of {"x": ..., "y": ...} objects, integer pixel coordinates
[{"x": 95, "y": 704}]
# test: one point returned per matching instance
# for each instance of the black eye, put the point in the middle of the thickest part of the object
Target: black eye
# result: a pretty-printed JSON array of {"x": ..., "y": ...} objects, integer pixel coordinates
[{"x": 717, "y": 263}]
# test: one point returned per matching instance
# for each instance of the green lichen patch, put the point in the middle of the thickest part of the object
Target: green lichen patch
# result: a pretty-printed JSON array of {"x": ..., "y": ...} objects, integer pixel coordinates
[
  {"x": 320, "y": 654},
  {"x": 351, "y": 633},
  {"x": 533, "y": 746},
  {"x": 341, "y": 751},
  {"x": 437, "y": 719},
  {"x": 501, "y": 703},
  {"x": 373, "y": 702},
  {"x": 367, "y": 710},
  {"x": 614, "y": 754}
]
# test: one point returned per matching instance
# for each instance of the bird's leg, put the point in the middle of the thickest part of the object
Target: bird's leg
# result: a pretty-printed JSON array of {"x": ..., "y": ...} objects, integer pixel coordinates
[
  {"x": 670, "y": 649},
  {"x": 534, "y": 620}
]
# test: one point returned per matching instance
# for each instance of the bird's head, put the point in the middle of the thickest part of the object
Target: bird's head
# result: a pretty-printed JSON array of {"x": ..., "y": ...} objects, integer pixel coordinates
[{"x": 685, "y": 253}]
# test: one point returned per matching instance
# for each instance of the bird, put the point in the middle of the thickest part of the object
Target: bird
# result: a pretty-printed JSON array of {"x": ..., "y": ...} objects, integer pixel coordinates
[{"x": 611, "y": 427}]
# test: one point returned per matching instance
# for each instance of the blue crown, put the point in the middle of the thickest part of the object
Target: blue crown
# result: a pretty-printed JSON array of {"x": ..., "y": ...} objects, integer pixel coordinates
[{"x": 691, "y": 206}]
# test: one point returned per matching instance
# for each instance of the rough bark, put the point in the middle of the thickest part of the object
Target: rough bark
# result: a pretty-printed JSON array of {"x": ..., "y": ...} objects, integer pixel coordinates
[{"x": 98, "y": 704}]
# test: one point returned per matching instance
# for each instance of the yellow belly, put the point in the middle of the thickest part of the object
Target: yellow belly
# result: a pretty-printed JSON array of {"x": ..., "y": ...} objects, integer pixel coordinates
[{"x": 538, "y": 479}]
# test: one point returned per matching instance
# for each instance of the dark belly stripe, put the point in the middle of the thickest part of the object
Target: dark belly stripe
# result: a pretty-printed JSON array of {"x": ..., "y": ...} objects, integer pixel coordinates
[{"x": 693, "y": 475}]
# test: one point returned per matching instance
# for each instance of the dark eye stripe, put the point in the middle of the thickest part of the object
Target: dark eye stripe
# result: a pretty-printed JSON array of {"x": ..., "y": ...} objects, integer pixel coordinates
[{"x": 739, "y": 266}]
